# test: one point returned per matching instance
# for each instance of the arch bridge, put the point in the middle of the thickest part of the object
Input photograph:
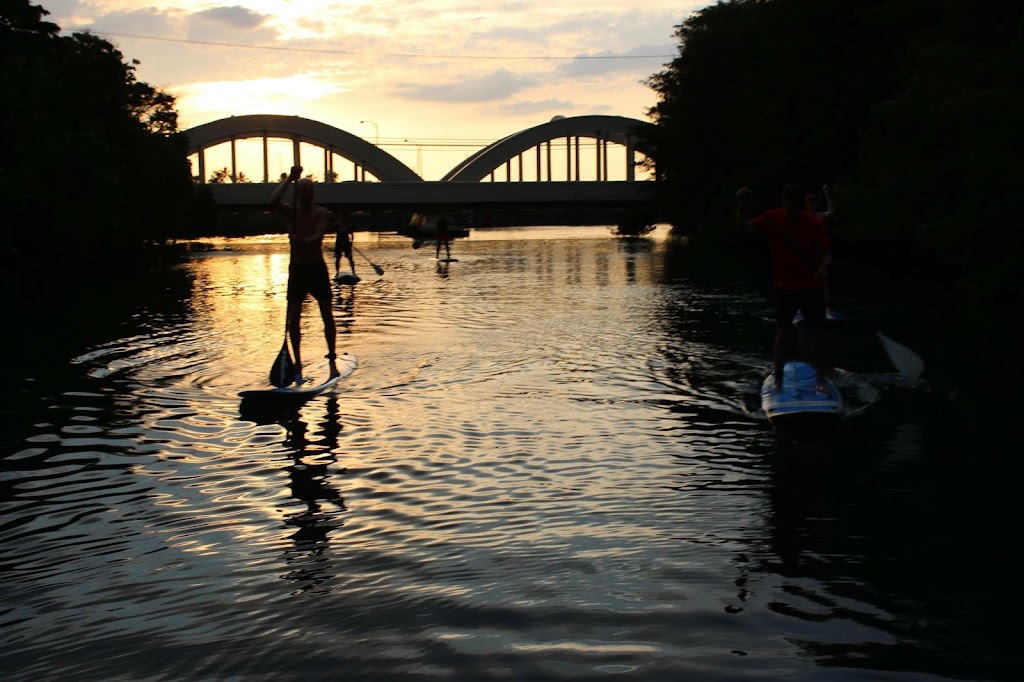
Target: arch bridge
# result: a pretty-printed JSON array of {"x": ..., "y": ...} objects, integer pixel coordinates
[{"x": 494, "y": 175}]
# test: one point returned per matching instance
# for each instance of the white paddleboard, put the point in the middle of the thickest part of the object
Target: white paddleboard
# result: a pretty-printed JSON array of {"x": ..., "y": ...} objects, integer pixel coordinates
[
  {"x": 799, "y": 397},
  {"x": 308, "y": 389}
]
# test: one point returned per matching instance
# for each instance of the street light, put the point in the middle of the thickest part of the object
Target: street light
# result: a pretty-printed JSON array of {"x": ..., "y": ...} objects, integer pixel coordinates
[
  {"x": 419, "y": 157},
  {"x": 376, "y": 132}
]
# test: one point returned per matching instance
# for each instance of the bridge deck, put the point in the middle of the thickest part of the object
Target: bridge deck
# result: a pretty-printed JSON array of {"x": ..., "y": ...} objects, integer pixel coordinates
[{"x": 427, "y": 194}]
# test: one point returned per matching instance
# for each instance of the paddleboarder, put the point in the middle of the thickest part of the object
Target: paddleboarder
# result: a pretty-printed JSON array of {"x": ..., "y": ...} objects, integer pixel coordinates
[
  {"x": 307, "y": 270},
  {"x": 442, "y": 236},
  {"x": 343, "y": 244},
  {"x": 801, "y": 253}
]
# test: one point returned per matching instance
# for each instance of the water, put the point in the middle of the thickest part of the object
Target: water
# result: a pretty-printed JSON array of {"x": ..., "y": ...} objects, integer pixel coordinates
[{"x": 549, "y": 465}]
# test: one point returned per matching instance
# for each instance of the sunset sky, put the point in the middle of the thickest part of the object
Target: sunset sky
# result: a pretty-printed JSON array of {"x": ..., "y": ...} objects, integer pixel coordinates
[{"x": 431, "y": 80}]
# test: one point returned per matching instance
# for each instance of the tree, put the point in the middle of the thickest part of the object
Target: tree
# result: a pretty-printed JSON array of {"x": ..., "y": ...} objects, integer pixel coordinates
[
  {"x": 763, "y": 92},
  {"x": 940, "y": 165},
  {"x": 85, "y": 127},
  {"x": 912, "y": 105}
]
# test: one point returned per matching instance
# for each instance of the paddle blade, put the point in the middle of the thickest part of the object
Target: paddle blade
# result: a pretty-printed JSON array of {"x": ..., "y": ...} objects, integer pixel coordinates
[
  {"x": 282, "y": 373},
  {"x": 378, "y": 269},
  {"x": 417, "y": 243},
  {"x": 905, "y": 360}
]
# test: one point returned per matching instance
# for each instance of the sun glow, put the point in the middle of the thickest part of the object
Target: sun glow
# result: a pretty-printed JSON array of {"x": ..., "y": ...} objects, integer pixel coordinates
[{"x": 267, "y": 95}]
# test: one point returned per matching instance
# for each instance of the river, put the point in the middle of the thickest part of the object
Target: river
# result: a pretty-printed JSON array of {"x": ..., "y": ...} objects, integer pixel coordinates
[{"x": 549, "y": 465}]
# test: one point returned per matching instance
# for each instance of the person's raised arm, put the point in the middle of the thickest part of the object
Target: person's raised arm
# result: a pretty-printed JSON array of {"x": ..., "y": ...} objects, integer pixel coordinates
[{"x": 278, "y": 195}]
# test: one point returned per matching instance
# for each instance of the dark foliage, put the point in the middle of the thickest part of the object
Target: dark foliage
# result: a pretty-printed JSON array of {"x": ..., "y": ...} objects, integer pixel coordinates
[
  {"x": 910, "y": 108},
  {"x": 95, "y": 168}
]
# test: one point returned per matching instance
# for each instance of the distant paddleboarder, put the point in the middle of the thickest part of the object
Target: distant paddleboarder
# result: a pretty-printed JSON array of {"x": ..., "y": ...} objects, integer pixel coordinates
[
  {"x": 343, "y": 244},
  {"x": 442, "y": 236}
]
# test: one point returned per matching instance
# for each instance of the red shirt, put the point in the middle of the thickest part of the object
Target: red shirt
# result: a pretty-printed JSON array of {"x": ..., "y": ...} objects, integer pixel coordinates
[{"x": 797, "y": 247}]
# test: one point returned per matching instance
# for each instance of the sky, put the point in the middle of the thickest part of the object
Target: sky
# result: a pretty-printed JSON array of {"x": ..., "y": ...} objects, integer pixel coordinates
[{"x": 430, "y": 81}]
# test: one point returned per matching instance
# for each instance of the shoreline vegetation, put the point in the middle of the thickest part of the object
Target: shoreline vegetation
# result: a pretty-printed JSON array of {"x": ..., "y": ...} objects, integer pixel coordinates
[{"x": 908, "y": 109}]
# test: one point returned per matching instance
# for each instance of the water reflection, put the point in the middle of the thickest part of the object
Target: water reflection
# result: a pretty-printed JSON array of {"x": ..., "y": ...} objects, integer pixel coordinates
[
  {"x": 550, "y": 464},
  {"x": 311, "y": 482}
]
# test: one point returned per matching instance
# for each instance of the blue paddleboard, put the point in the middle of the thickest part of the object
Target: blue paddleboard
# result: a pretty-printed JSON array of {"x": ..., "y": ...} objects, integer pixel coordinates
[{"x": 799, "y": 397}]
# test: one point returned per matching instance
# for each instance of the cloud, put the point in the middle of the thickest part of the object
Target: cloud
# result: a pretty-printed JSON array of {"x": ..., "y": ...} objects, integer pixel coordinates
[
  {"x": 553, "y": 106},
  {"x": 233, "y": 17},
  {"x": 230, "y": 24},
  {"x": 60, "y": 10},
  {"x": 147, "y": 21},
  {"x": 644, "y": 59},
  {"x": 263, "y": 95},
  {"x": 497, "y": 85}
]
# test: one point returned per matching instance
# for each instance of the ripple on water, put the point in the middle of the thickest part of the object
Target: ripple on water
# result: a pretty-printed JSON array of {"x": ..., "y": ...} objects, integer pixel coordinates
[{"x": 546, "y": 466}]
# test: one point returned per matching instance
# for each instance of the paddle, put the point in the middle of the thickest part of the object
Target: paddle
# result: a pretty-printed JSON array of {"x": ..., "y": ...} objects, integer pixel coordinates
[
  {"x": 282, "y": 372},
  {"x": 376, "y": 268},
  {"x": 905, "y": 360}
]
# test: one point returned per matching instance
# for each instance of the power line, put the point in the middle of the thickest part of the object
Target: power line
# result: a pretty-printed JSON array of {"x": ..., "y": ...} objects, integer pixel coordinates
[{"x": 406, "y": 55}]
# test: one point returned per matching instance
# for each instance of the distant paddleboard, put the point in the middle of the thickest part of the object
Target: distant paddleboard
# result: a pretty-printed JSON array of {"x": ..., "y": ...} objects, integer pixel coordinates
[
  {"x": 447, "y": 260},
  {"x": 347, "y": 278}
]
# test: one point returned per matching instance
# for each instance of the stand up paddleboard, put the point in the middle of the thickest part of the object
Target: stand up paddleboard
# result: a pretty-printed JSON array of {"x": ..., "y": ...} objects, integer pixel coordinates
[
  {"x": 799, "y": 400},
  {"x": 447, "y": 260},
  {"x": 347, "y": 278},
  {"x": 286, "y": 395}
]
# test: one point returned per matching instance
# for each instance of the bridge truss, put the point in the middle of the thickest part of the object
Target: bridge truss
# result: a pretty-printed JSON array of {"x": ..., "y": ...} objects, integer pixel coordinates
[{"x": 504, "y": 159}]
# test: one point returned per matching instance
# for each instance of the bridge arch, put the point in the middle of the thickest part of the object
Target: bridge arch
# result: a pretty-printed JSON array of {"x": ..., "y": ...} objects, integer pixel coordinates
[
  {"x": 603, "y": 129},
  {"x": 333, "y": 140}
]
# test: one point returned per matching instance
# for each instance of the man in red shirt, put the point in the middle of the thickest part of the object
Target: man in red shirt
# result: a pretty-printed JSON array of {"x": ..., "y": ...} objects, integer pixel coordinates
[{"x": 801, "y": 253}]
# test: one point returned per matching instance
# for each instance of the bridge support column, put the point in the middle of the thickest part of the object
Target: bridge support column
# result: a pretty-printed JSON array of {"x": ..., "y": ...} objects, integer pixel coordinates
[
  {"x": 630, "y": 163},
  {"x": 577, "y": 150},
  {"x": 266, "y": 162},
  {"x": 604, "y": 157},
  {"x": 568, "y": 159}
]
